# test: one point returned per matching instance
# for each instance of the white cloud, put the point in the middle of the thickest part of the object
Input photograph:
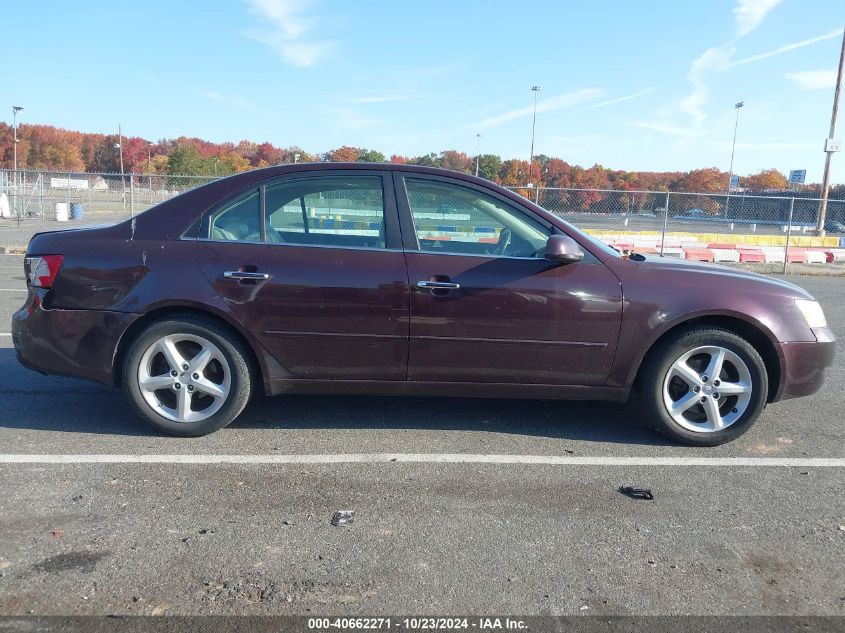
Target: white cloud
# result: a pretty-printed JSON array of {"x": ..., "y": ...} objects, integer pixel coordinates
[
  {"x": 787, "y": 47},
  {"x": 284, "y": 27},
  {"x": 663, "y": 128},
  {"x": 814, "y": 79},
  {"x": 712, "y": 60},
  {"x": 239, "y": 102},
  {"x": 781, "y": 145},
  {"x": 378, "y": 99},
  {"x": 603, "y": 104},
  {"x": 750, "y": 13},
  {"x": 547, "y": 105},
  {"x": 349, "y": 119}
]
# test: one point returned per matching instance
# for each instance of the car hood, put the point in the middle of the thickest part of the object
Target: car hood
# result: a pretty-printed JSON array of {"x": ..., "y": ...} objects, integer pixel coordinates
[{"x": 773, "y": 284}]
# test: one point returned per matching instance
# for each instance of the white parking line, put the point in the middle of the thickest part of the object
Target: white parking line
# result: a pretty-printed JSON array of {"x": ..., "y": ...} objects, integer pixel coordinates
[
  {"x": 5, "y": 333},
  {"x": 12, "y": 289},
  {"x": 435, "y": 458}
]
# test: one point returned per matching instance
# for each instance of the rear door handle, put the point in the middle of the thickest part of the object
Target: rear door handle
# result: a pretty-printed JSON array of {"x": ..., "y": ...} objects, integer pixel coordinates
[
  {"x": 438, "y": 285},
  {"x": 241, "y": 275}
]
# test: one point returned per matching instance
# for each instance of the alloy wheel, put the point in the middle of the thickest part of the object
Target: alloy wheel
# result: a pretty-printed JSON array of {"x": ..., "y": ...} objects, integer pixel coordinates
[
  {"x": 184, "y": 377},
  {"x": 707, "y": 389}
]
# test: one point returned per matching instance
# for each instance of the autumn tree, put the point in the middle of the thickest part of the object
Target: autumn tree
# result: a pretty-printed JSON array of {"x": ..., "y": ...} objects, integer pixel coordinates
[
  {"x": 295, "y": 154},
  {"x": 706, "y": 180},
  {"x": 556, "y": 173},
  {"x": 266, "y": 154},
  {"x": 588, "y": 180},
  {"x": 514, "y": 173},
  {"x": 51, "y": 148},
  {"x": 343, "y": 154},
  {"x": 457, "y": 161},
  {"x": 766, "y": 180}
]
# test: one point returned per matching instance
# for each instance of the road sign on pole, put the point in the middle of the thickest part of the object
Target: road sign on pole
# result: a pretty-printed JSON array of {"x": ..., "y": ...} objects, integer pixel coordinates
[
  {"x": 797, "y": 176},
  {"x": 734, "y": 184}
]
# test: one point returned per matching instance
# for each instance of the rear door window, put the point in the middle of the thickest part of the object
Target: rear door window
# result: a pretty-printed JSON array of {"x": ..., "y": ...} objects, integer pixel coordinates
[{"x": 326, "y": 211}]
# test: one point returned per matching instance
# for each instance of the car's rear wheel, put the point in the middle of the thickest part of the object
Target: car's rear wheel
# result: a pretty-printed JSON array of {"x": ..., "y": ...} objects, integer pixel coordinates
[
  {"x": 703, "y": 386},
  {"x": 188, "y": 375}
]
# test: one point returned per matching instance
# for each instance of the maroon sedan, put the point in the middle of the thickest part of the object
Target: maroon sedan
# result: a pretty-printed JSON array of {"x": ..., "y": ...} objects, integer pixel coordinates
[{"x": 392, "y": 279}]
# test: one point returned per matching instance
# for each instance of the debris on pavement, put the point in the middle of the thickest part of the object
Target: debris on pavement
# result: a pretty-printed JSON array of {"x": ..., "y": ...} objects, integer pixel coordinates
[
  {"x": 343, "y": 518},
  {"x": 57, "y": 533},
  {"x": 637, "y": 493}
]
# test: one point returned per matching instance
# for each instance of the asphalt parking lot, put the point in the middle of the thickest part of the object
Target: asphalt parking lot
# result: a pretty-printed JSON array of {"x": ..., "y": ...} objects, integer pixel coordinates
[{"x": 461, "y": 506}]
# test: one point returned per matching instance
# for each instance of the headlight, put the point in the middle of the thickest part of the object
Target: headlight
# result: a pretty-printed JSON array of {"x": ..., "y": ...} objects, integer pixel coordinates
[{"x": 812, "y": 311}]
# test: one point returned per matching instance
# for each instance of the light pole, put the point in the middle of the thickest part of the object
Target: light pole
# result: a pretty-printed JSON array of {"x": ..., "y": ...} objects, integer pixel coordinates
[
  {"x": 535, "y": 90},
  {"x": 737, "y": 106},
  {"x": 828, "y": 150},
  {"x": 733, "y": 147},
  {"x": 477, "y": 152},
  {"x": 15, "y": 110}
]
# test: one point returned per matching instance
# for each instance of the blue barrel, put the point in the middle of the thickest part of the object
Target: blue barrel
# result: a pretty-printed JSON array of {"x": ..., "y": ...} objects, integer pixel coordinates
[{"x": 76, "y": 210}]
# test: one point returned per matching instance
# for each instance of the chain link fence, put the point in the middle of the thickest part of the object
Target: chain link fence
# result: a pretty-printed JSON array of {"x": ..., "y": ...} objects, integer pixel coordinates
[
  {"x": 33, "y": 201},
  {"x": 650, "y": 221},
  {"x": 667, "y": 222}
]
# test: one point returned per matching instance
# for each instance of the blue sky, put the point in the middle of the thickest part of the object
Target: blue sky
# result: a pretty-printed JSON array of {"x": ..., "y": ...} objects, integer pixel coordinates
[{"x": 639, "y": 86}]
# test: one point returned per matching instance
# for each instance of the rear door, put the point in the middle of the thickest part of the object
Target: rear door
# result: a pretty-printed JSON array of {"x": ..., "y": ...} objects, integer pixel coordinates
[
  {"x": 312, "y": 265},
  {"x": 485, "y": 306}
]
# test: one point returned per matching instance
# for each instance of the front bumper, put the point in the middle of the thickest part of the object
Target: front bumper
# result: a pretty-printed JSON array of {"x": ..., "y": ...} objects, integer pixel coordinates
[
  {"x": 804, "y": 365},
  {"x": 78, "y": 343}
]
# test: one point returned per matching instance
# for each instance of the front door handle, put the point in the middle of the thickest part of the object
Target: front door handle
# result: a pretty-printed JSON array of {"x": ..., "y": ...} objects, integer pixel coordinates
[
  {"x": 242, "y": 275},
  {"x": 438, "y": 285}
]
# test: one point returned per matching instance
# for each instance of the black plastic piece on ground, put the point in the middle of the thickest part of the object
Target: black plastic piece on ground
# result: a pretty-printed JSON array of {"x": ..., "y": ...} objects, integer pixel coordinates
[{"x": 637, "y": 493}]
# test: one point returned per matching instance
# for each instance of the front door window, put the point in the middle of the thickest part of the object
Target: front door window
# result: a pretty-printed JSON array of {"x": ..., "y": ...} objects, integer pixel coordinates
[{"x": 453, "y": 219}]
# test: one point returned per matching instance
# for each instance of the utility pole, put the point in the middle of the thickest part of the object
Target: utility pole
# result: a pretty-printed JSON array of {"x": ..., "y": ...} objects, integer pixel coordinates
[
  {"x": 122, "y": 177},
  {"x": 828, "y": 149},
  {"x": 477, "y": 152},
  {"x": 535, "y": 90}
]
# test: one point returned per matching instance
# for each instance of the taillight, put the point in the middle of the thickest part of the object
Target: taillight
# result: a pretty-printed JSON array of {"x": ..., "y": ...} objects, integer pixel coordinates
[{"x": 42, "y": 270}]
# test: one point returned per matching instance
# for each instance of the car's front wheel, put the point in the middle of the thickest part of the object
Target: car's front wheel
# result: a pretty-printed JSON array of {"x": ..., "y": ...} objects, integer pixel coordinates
[
  {"x": 187, "y": 376},
  {"x": 703, "y": 386}
]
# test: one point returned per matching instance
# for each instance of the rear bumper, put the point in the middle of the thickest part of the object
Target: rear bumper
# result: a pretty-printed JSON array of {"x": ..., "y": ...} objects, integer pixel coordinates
[
  {"x": 78, "y": 343},
  {"x": 804, "y": 365}
]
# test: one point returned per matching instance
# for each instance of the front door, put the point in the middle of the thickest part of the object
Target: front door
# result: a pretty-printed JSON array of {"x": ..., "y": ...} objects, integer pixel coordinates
[
  {"x": 311, "y": 265},
  {"x": 486, "y": 307}
]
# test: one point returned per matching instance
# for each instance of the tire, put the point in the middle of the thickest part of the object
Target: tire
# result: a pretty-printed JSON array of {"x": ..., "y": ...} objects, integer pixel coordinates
[
  {"x": 675, "y": 375},
  {"x": 216, "y": 386}
]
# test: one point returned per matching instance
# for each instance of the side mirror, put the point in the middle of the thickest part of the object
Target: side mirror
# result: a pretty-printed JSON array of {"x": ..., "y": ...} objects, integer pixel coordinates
[{"x": 563, "y": 249}]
